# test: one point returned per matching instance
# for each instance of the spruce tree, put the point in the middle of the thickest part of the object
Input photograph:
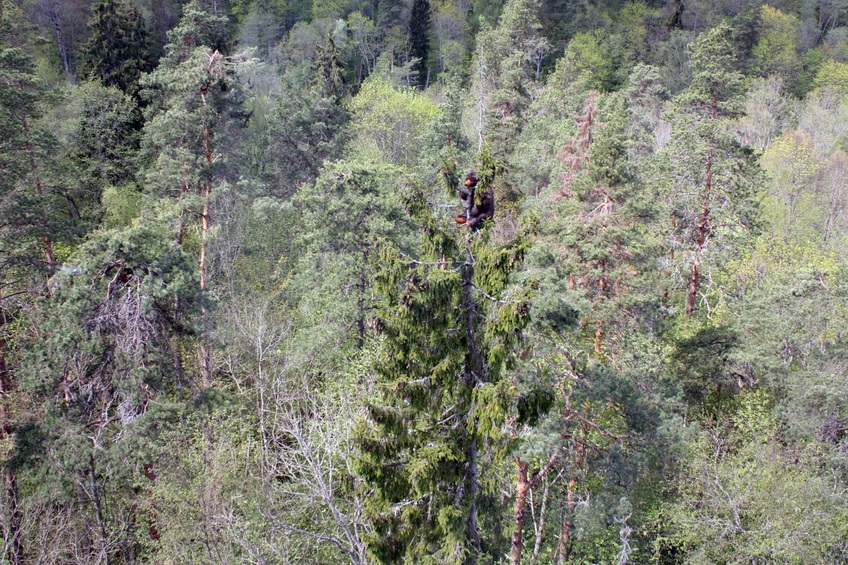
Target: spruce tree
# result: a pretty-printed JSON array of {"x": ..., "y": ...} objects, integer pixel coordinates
[
  {"x": 419, "y": 40},
  {"x": 116, "y": 52},
  {"x": 450, "y": 323}
]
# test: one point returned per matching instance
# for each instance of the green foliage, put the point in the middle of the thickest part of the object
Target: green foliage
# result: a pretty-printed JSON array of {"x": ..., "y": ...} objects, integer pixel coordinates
[
  {"x": 776, "y": 51},
  {"x": 446, "y": 343},
  {"x": 832, "y": 74},
  {"x": 299, "y": 124},
  {"x": 388, "y": 123},
  {"x": 344, "y": 220},
  {"x": 114, "y": 316},
  {"x": 419, "y": 41},
  {"x": 506, "y": 67},
  {"x": 750, "y": 499},
  {"x": 715, "y": 85},
  {"x": 116, "y": 52},
  {"x": 793, "y": 167},
  {"x": 650, "y": 318},
  {"x": 587, "y": 53}
]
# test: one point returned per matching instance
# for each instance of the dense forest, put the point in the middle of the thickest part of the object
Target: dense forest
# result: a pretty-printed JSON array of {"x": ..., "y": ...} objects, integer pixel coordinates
[{"x": 240, "y": 323}]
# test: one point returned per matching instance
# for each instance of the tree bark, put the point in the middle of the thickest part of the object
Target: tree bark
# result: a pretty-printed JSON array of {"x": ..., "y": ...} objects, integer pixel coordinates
[
  {"x": 540, "y": 528},
  {"x": 60, "y": 39},
  {"x": 701, "y": 234},
  {"x": 39, "y": 190},
  {"x": 523, "y": 484},
  {"x": 522, "y": 487},
  {"x": 15, "y": 544},
  {"x": 567, "y": 529},
  {"x": 96, "y": 498},
  {"x": 205, "y": 352},
  {"x": 473, "y": 374},
  {"x": 152, "y": 525}
]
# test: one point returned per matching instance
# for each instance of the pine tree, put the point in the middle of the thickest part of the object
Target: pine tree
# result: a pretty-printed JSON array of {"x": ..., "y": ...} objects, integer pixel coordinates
[
  {"x": 507, "y": 64},
  {"x": 102, "y": 363},
  {"x": 351, "y": 207},
  {"x": 602, "y": 224},
  {"x": 713, "y": 179},
  {"x": 192, "y": 96},
  {"x": 593, "y": 260},
  {"x": 450, "y": 324},
  {"x": 24, "y": 151}
]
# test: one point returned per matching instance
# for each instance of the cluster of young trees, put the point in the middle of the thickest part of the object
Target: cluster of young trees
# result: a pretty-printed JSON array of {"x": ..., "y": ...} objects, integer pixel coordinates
[{"x": 238, "y": 323}]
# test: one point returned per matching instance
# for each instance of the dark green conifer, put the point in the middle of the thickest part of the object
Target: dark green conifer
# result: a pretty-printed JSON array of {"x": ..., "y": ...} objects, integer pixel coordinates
[
  {"x": 450, "y": 323},
  {"x": 117, "y": 51},
  {"x": 419, "y": 41}
]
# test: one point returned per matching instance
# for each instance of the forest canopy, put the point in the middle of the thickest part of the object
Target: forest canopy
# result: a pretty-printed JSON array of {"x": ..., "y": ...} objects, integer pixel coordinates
[{"x": 423, "y": 281}]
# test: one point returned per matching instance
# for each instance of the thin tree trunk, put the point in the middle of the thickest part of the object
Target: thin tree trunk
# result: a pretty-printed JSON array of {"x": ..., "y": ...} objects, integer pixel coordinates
[
  {"x": 205, "y": 352},
  {"x": 14, "y": 543},
  {"x": 599, "y": 337},
  {"x": 540, "y": 529},
  {"x": 481, "y": 104},
  {"x": 39, "y": 190},
  {"x": 16, "y": 553},
  {"x": 60, "y": 40},
  {"x": 599, "y": 324},
  {"x": 702, "y": 232},
  {"x": 360, "y": 308},
  {"x": 152, "y": 523},
  {"x": 522, "y": 487},
  {"x": 567, "y": 529},
  {"x": 473, "y": 534},
  {"x": 98, "y": 506},
  {"x": 473, "y": 373}
]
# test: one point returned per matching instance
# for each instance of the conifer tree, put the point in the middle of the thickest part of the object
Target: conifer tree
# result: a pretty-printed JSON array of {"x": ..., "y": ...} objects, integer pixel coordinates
[
  {"x": 601, "y": 222},
  {"x": 712, "y": 179},
  {"x": 117, "y": 52},
  {"x": 192, "y": 97},
  {"x": 27, "y": 257},
  {"x": 103, "y": 363},
  {"x": 450, "y": 324},
  {"x": 507, "y": 61},
  {"x": 24, "y": 151},
  {"x": 419, "y": 40},
  {"x": 349, "y": 209},
  {"x": 592, "y": 258}
]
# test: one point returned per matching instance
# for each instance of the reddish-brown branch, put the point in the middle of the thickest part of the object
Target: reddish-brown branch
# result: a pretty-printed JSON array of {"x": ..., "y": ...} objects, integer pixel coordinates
[{"x": 701, "y": 234}]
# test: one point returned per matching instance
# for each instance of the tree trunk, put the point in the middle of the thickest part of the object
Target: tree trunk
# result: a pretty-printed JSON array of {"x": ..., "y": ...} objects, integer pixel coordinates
[
  {"x": 96, "y": 498},
  {"x": 152, "y": 526},
  {"x": 473, "y": 373},
  {"x": 567, "y": 529},
  {"x": 360, "y": 307},
  {"x": 473, "y": 534},
  {"x": 39, "y": 190},
  {"x": 60, "y": 39},
  {"x": 701, "y": 234},
  {"x": 599, "y": 337},
  {"x": 522, "y": 487},
  {"x": 205, "y": 352},
  {"x": 540, "y": 528},
  {"x": 14, "y": 543}
]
